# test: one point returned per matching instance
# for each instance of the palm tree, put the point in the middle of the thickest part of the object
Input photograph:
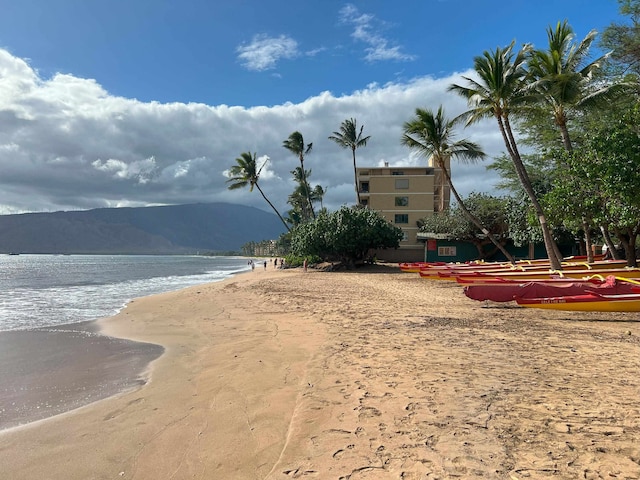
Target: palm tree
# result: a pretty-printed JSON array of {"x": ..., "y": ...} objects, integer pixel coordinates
[
  {"x": 245, "y": 172},
  {"x": 500, "y": 90},
  {"x": 561, "y": 82},
  {"x": 432, "y": 136},
  {"x": 319, "y": 193},
  {"x": 349, "y": 137},
  {"x": 302, "y": 194},
  {"x": 295, "y": 144},
  {"x": 559, "y": 78}
]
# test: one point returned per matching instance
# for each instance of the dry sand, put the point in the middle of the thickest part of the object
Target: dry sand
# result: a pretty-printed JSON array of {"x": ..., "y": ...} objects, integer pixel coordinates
[{"x": 354, "y": 375}]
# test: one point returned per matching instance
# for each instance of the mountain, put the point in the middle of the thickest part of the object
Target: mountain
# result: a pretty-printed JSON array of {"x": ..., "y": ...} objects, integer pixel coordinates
[{"x": 204, "y": 227}]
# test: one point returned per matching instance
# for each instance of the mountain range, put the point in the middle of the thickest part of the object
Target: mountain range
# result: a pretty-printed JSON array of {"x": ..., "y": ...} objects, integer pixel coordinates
[{"x": 173, "y": 229}]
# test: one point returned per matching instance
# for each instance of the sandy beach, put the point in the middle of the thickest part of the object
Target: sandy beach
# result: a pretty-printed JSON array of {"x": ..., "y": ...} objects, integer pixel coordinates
[{"x": 372, "y": 374}]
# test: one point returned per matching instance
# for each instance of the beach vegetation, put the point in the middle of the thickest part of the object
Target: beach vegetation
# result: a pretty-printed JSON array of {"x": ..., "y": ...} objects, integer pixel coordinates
[
  {"x": 600, "y": 180},
  {"x": 350, "y": 137},
  {"x": 294, "y": 261},
  {"x": 347, "y": 235}
]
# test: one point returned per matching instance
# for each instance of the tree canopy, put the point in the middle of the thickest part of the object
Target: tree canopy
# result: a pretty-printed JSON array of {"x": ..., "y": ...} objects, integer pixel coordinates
[{"x": 347, "y": 235}]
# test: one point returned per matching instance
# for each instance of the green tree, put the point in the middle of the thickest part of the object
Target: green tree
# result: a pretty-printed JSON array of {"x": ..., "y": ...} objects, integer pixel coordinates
[
  {"x": 348, "y": 235},
  {"x": 611, "y": 159},
  {"x": 349, "y": 137},
  {"x": 524, "y": 227},
  {"x": 623, "y": 39},
  {"x": 246, "y": 172},
  {"x": 295, "y": 144},
  {"x": 432, "y": 135},
  {"x": 499, "y": 90},
  {"x": 489, "y": 210}
]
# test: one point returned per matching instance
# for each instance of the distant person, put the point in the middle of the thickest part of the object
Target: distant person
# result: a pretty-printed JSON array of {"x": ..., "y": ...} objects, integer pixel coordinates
[
  {"x": 253, "y": 265},
  {"x": 265, "y": 264},
  {"x": 304, "y": 264},
  {"x": 275, "y": 263}
]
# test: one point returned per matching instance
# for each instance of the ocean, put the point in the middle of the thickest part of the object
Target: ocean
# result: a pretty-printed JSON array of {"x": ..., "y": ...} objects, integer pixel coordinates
[{"x": 49, "y": 290}]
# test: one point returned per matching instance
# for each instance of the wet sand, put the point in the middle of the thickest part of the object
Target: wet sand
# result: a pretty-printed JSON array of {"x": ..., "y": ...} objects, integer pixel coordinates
[
  {"x": 45, "y": 372},
  {"x": 353, "y": 375}
]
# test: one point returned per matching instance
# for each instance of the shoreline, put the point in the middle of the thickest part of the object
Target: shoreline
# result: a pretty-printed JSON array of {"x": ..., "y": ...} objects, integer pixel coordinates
[
  {"x": 281, "y": 374},
  {"x": 50, "y": 371}
]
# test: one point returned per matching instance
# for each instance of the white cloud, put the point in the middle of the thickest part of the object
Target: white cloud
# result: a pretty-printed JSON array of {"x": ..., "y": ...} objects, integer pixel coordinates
[
  {"x": 264, "y": 52},
  {"x": 141, "y": 171},
  {"x": 366, "y": 29},
  {"x": 66, "y": 143}
]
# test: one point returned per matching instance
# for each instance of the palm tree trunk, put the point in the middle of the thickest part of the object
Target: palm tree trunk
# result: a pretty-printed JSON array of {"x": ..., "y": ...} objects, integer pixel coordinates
[
  {"x": 549, "y": 243},
  {"x": 472, "y": 217},
  {"x": 564, "y": 133},
  {"x": 306, "y": 186},
  {"x": 355, "y": 175},
  {"x": 274, "y": 208}
]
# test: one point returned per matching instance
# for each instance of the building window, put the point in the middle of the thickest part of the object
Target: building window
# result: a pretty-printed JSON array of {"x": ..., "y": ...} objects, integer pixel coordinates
[
  {"x": 446, "y": 251},
  {"x": 402, "y": 183},
  {"x": 364, "y": 202},
  {"x": 402, "y": 201},
  {"x": 401, "y": 218},
  {"x": 364, "y": 187},
  {"x": 405, "y": 236},
  {"x": 397, "y": 172}
]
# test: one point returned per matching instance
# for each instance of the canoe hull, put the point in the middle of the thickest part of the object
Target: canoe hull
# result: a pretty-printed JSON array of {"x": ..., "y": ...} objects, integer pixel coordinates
[{"x": 584, "y": 303}]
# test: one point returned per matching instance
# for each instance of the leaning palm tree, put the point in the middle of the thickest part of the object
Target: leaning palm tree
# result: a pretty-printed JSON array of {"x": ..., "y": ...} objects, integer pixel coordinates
[
  {"x": 499, "y": 91},
  {"x": 432, "y": 135},
  {"x": 350, "y": 137},
  {"x": 246, "y": 172},
  {"x": 295, "y": 144}
]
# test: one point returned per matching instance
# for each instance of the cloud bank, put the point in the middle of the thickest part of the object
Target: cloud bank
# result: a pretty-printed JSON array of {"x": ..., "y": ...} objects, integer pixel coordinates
[{"x": 67, "y": 144}]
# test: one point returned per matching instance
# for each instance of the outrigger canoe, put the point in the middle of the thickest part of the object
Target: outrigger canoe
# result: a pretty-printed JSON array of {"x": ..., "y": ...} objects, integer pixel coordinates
[
  {"x": 588, "y": 302},
  {"x": 415, "y": 267},
  {"x": 510, "y": 291},
  {"x": 548, "y": 274}
]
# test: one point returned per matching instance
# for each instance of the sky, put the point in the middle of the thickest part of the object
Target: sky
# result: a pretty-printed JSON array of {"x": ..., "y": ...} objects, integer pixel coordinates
[{"x": 131, "y": 103}]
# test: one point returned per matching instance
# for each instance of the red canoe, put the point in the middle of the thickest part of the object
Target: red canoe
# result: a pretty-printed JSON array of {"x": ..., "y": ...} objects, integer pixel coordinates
[{"x": 509, "y": 291}]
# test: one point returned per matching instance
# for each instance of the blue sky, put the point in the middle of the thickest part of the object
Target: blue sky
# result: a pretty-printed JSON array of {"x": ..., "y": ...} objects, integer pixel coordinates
[{"x": 143, "y": 102}]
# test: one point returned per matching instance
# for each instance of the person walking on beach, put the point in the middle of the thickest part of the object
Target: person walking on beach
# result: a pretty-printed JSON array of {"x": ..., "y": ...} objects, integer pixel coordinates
[
  {"x": 253, "y": 265},
  {"x": 265, "y": 264},
  {"x": 275, "y": 263},
  {"x": 304, "y": 265}
]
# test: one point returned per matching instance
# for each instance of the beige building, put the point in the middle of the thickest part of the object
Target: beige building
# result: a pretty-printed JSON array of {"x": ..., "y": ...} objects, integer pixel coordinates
[{"x": 403, "y": 195}]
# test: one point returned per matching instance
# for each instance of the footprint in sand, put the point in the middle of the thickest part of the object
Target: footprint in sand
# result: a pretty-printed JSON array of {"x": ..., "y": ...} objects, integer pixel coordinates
[{"x": 297, "y": 473}]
